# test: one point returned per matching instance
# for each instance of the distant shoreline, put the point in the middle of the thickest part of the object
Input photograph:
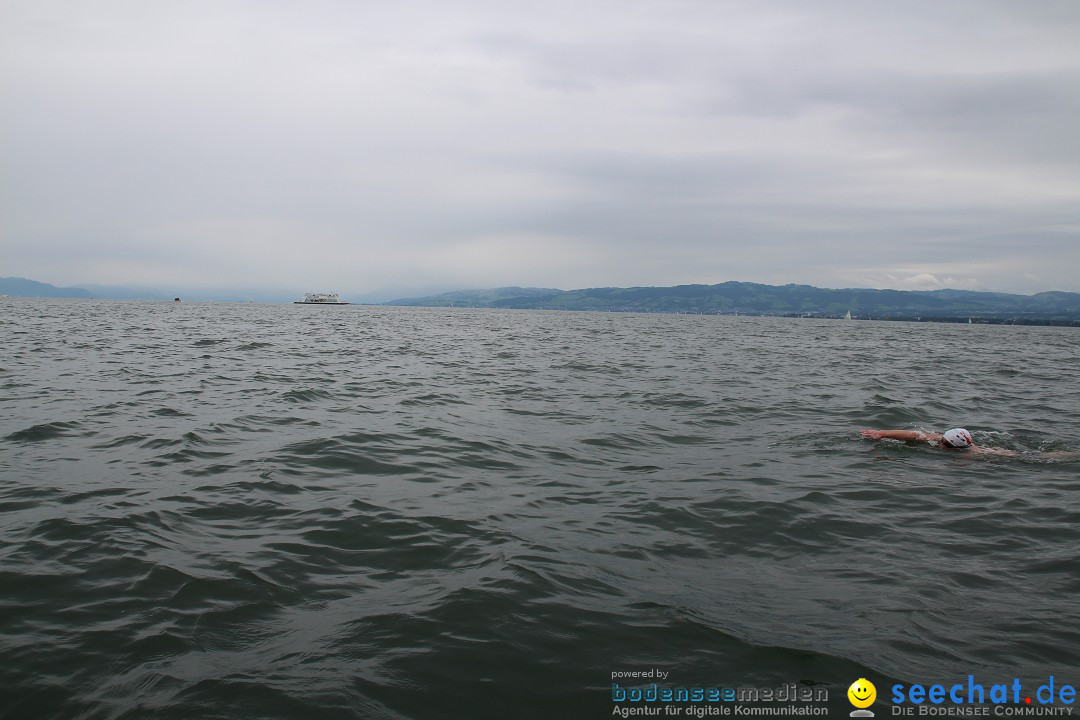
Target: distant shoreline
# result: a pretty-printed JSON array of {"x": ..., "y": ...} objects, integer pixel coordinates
[
  {"x": 736, "y": 298},
  {"x": 1052, "y": 308},
  {"x": 982, "y": 320}
]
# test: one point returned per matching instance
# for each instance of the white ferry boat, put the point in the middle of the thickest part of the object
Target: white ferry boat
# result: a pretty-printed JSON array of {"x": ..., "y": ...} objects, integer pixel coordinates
[{"x": 320, "y": 299}]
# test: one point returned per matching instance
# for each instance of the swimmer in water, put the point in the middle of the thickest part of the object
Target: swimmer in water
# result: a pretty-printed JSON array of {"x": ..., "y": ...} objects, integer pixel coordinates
[{"x": 956, "y": 439}]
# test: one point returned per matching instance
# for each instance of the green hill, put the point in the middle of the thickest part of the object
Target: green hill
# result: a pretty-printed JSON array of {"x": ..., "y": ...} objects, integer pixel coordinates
[{"x": 786, "y": 300}]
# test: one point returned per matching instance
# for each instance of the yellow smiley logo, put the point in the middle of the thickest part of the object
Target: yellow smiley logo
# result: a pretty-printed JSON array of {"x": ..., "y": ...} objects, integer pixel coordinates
[{"x": 862, "y": 693}]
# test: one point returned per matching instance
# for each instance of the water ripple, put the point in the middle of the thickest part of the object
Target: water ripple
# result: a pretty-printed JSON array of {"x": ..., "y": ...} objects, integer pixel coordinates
[{"x": 263, "y": 511}]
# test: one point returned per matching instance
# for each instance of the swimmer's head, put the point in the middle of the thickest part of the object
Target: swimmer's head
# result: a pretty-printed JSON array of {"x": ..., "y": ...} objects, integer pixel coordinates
[{"x": 957, "y": 438}]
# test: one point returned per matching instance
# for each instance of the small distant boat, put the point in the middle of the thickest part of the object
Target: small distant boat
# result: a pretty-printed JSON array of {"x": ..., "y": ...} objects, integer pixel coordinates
[
  {"x": 320, "y": 299},
  {"x": 848, "y": 316}
]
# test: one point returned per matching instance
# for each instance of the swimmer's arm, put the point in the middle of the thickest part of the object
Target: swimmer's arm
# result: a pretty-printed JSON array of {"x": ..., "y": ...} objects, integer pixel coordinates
[
  {"x": 994, "y": 451},
  {"x": 1034, "y": 454},
  {"x": 904, "y": 435}
]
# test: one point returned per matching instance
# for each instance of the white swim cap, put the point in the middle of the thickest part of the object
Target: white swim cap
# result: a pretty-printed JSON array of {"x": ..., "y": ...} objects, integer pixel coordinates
[{"x": 958, "y": 438}]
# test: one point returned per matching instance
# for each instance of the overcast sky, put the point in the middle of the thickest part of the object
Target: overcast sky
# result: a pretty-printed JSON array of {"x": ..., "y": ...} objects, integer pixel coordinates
[{"x": 359, "y": 146}]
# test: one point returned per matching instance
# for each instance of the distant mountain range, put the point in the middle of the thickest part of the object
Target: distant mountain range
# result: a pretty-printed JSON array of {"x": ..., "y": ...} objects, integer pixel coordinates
[
  {"x": 729, "y": 298},
  {"x": 21, "y": 287}
]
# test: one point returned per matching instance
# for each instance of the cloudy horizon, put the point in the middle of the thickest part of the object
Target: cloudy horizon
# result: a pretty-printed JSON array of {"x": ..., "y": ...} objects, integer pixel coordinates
[{"x": 356, "y": 146}]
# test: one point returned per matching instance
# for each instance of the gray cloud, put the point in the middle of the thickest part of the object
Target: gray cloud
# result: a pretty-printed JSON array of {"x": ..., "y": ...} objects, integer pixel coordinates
[{"x": 351, "y": 146}]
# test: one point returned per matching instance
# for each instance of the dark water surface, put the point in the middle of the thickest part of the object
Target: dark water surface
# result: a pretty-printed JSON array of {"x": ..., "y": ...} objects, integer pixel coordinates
[{"x": 279, "y": 511}]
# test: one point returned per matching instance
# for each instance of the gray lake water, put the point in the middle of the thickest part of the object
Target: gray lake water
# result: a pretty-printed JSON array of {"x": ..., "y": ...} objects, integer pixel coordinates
[{"x": 286, "y": 511}]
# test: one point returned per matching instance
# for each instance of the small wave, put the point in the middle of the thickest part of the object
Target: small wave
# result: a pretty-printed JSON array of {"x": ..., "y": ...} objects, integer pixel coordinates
[
  {"x": 270, "y": 487},
  {"x": 305, "y": 395},
  {"x": 120, "y": 442},
  {"x": 190, "y": 454},
  {"x": 95, "y": 494},
  {"x": 672, "y": 438},
  {"x": 360, "y": 454},
  {"x": 433, "y": 399},
  {"x": 166, "y": 411},
  {"x": 619, "y": 441},
  {"x": 673, "y": 400},
  {"x": 43, "y": 431},
  {"x": 158, "y": 443},
  {"x": 259, "y": 424}
]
